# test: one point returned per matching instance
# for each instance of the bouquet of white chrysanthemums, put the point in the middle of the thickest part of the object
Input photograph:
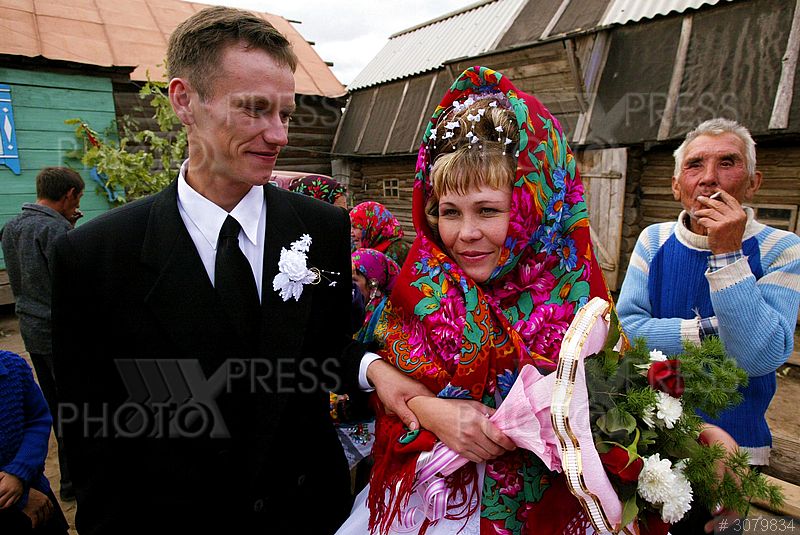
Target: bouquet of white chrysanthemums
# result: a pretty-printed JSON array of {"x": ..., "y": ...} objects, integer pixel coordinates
[{"x": 644, "y": 419}]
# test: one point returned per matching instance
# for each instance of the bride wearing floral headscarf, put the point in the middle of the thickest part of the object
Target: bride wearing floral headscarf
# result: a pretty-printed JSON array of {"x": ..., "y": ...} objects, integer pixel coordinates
[{"x": 464, "y": 329}]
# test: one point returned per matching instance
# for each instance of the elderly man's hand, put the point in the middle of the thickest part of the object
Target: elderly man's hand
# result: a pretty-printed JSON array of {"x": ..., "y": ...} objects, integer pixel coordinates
[
  {"x": 39, "y": 508},
  {"x": 725, "y": 220}
]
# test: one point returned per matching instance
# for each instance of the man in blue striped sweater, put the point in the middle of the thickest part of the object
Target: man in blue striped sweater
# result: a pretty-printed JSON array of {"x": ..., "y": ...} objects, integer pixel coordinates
[{"x": 718, "y": 271}]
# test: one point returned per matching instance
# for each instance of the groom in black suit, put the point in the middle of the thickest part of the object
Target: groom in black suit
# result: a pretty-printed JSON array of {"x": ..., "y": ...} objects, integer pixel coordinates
[{"x": 187, "y": 410}]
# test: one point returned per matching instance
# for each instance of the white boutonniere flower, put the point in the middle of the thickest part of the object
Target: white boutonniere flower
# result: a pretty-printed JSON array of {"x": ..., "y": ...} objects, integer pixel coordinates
[{"x": 293, "y": 271}]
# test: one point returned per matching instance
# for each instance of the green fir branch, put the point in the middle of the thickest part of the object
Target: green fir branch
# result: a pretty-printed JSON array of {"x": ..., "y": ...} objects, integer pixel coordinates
[
  {"x": 712, "y": 378},
  {"x": 619, "y": 397}
]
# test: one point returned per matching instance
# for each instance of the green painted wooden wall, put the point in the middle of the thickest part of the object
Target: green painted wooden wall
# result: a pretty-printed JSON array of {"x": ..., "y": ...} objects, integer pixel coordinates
[{"x": 42, "y": 101}]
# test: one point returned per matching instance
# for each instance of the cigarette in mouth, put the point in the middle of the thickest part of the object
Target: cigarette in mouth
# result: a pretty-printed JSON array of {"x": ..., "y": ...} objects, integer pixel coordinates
[{"x": 715, "y": 195}]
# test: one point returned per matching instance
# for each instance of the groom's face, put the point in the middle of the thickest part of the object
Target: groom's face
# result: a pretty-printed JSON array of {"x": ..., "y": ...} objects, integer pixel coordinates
[{"x": 242, "y": 126}]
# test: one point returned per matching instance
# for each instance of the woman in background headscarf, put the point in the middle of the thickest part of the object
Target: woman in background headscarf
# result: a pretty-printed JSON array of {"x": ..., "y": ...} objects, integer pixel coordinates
[
  {"x": 374, "y": 227},
  {"x": 322, "y": 188},
  {"x": 375, "y": 275}
]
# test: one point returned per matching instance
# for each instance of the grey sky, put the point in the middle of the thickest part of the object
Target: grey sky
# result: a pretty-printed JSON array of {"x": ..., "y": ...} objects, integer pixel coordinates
[{"x": 350, "y": 32}]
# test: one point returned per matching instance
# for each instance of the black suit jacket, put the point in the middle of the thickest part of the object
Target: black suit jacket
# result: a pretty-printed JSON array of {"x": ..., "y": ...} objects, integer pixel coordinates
[{"x": 168, "y": 414}]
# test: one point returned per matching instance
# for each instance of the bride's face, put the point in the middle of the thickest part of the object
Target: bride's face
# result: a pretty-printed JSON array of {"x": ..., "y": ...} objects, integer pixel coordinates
[{"x": 473, "y": 227}]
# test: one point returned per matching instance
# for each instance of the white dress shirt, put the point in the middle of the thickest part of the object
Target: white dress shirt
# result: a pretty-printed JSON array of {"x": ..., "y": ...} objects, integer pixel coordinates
[{"x": 203, "y": 219}]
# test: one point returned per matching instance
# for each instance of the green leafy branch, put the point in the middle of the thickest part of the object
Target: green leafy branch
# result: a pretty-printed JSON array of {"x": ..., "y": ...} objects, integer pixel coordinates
[{"x": 145, "y": 170}]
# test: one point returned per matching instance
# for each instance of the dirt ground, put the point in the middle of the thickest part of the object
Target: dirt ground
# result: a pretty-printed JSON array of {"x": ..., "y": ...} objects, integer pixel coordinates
[{"x": 782, "y": 415}]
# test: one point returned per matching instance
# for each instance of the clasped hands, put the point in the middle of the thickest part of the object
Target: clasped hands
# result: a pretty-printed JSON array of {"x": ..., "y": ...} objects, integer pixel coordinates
[
  {"x": 39, "y": 507},
  {"x": 462, "y": 425}
]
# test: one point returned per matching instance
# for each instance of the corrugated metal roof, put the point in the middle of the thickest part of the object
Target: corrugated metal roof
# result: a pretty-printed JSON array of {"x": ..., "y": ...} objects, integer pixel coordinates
[
  {"x": 624, "y": 11},
  {"x": 131, "y": 33},
  {"x": 474, "y": 30},
  {"x": 479, "y": 28}
]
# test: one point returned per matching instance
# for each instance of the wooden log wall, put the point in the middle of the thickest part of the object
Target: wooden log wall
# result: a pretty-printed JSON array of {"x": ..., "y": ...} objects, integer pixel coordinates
[
  {"x": 128, "y": 103},
  {"x": 542, "y": 70},
  {"x": 366, "y": 184},
  {"x": 655, "y": 193},
  {"x": 311, "y": 134},
  {"x": 631, "y": 215},
  {"x": 781, "y": 169},
  {"x": 613, "y": 239}
]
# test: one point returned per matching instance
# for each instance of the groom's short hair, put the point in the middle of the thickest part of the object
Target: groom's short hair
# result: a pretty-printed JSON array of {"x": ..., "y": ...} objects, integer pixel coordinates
[{"x": 196, "y": 45}]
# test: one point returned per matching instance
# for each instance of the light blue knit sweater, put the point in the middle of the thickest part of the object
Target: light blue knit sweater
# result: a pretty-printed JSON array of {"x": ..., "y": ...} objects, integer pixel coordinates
[{"x": 754, "y": 301}]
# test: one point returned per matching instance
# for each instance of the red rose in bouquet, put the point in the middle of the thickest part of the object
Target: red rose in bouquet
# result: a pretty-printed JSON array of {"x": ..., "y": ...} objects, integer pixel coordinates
[
  {"x": 666, "y": 376},
  {"x": 653, "y": 525},
  {"x": 617, "y": 462}
]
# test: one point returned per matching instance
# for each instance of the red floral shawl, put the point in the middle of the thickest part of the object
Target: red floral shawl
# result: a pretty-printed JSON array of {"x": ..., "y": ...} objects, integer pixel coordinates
[{"x": 465, "y": 340}]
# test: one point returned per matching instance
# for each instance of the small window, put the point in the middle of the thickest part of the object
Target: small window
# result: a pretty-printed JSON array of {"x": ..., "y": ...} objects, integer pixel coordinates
[
  {"x": 391, "y": 187},
  {"x": 782, "y": 216}
]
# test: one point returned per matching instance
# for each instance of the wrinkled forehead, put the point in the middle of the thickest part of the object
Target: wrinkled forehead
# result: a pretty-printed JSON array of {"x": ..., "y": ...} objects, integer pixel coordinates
[{"x": 717, "y": 146}]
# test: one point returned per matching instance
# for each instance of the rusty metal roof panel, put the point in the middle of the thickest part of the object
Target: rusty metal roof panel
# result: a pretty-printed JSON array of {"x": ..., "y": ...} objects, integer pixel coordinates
[
  {"x": 131, "y": 33},
  {"x": 468, "y": 32},
  {"x": 625, "y": 11}
]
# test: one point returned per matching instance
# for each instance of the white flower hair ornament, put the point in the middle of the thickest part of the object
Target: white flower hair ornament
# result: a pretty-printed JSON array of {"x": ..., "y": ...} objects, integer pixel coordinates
[{"x": 294, "y": 273}]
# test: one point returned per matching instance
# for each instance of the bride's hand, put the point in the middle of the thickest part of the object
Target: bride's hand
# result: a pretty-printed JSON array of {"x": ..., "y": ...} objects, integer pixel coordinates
[{"x": 463, "y": 425}]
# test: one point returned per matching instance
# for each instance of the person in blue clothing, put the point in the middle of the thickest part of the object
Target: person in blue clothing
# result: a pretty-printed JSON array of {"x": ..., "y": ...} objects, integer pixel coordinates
[
  {"x": 27, "y": 505},
  {"x": 28, "y": 242},
  {"x": 718, "y": 271}
]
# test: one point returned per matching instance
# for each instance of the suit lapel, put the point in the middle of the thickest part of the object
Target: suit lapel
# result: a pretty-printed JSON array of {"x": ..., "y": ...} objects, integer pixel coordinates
[
  {"x": 182, "y": 297},
  {"x": 283, "y": 321}
]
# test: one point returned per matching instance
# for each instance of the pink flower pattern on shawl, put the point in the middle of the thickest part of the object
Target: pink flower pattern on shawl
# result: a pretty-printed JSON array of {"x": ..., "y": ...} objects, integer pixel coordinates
[
  {"x": 545, "y": 328},
  {"x": 447, "y": 326},
  {"x": 534, "y": 277}
]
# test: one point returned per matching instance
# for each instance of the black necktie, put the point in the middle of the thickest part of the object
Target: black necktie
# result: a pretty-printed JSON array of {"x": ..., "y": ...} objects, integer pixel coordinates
[{"x": 234, "y": 282}]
